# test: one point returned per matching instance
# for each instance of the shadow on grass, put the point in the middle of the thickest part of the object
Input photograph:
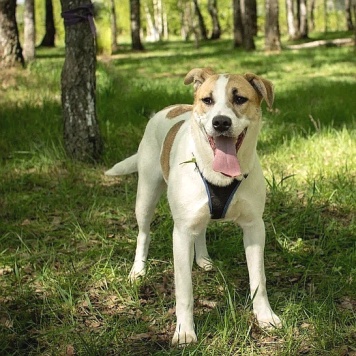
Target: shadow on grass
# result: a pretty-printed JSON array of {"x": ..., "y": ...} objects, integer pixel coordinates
[{"x": 308, "y": 243}]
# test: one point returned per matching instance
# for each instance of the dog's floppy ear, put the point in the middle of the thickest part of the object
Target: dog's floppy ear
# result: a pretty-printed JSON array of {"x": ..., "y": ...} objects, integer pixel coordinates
[
  {"x": 263, "y": 87},
  {"x": 198, "y": 76}
]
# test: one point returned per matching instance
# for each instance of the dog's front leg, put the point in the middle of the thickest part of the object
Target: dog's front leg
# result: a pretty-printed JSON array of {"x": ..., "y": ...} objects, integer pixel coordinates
[
  {"x": 254, "y": 242},
  {"x": 183, "y": 250}
]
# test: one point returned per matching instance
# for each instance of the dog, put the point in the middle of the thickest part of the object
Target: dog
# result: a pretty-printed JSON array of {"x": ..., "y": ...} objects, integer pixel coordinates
[{"x": 205, "y": 154}]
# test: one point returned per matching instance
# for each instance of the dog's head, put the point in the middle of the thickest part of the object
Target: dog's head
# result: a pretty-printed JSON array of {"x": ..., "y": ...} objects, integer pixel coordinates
[{"x": 225, "y": 106}]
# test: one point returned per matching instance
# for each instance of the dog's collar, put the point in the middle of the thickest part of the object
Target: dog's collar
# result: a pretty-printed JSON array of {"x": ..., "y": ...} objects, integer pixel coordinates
[{"x": 219, "y": 198}]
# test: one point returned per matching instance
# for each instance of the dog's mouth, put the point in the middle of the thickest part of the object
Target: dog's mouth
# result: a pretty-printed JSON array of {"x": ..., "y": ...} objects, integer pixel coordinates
[{"x": 225, "y": 153}]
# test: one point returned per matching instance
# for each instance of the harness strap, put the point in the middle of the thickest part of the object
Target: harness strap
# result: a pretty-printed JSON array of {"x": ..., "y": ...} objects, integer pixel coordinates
[{"x": 219, "y": 198}]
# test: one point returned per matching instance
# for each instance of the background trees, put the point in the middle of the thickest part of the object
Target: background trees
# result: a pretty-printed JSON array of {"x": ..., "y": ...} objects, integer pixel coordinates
[
  {"x": 153, "y": 20},
  {"x": 161, "y": 20}
]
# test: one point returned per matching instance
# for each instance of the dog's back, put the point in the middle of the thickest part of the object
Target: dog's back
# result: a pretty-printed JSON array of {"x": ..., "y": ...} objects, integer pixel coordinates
[{"x": 155, "y": 134}]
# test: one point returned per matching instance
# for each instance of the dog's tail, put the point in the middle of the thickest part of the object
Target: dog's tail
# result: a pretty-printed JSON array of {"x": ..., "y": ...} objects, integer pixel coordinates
[{"x": 127, "y": 166}]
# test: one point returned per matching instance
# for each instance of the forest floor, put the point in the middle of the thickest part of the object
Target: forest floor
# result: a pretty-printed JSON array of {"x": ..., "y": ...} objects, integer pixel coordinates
[{"x": 67, "y": 232}]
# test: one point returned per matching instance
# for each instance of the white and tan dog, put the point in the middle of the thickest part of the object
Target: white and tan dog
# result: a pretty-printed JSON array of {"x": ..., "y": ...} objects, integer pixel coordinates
[{"x": 206, "y": 155}]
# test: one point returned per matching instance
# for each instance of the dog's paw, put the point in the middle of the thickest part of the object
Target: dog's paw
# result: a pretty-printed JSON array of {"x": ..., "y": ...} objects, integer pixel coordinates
[
  {"x": 205, "y": 263},
  {"x": 138, "y": 270},
  {"x": 183, "y": 338},
  {"x": 268, "y": 320}
]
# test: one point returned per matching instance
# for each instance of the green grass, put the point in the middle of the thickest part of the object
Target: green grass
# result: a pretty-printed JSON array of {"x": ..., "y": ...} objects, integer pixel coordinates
[{"x": 67, "y": 233}]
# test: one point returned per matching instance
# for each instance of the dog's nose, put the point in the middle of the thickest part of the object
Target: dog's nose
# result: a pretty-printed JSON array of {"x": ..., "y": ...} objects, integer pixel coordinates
[{"x": 221, "y": 123}]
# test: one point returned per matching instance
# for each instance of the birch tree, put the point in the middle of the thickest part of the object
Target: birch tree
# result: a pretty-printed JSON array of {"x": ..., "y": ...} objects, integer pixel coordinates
[
  {"x": 10, "y": 48},
  {"x": 303, "y": 19},
  {"x": 29, "y": 30},
  {"x": 292, "y": 28},
  {"x": 81, "y": 131}
]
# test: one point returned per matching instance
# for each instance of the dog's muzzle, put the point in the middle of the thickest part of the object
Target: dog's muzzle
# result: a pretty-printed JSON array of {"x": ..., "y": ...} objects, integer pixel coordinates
[{"x": 221, "y": 123}]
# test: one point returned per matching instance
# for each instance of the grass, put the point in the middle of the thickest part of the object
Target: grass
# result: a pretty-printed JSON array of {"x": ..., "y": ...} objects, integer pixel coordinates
[{"x": 67, "y": 233}]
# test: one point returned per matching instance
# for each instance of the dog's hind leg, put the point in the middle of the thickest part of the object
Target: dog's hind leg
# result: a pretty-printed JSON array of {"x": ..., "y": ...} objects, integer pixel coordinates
[
  {"x": 150, "y": 187},
  {"x": 202, "y": 257}
]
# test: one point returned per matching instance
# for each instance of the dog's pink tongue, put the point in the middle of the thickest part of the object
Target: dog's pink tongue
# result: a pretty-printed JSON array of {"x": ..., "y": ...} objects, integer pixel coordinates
[{"x": 225, "y": 160}]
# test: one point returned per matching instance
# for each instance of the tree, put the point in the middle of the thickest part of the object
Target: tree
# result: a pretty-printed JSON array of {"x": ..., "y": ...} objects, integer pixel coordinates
[
  {"x": 244, "y": 25},
  {"x": 135, "y": 17},
  {"x": 348, "y": 15},
  {"x": 247, "y": 20},
  {"x": 238, "y": 25},
  {"x": 253, "y": 11},
  {"x": 29, "y": 30},
  {"x": 49, "y": 37},
  {"x": 292, "y": 29},
  {"x": 114, "y": 45},
  {"x": 213, "y": 11},
  {"x": 81, "y": 131},
  {"x": 272, "y": 34},
  {"x": 201, "y": 21},
  {"x": 10, "y": 48},
  {"x": 312, "y": 14},
  {"x": 303, "y": 19}
]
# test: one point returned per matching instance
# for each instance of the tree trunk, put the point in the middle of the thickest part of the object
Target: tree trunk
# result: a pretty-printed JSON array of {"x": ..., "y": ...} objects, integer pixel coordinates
[
  {"x": 158, "y": 17},
  {"x": 292, "y": 29},
  {"x": 253, "y": 10},
  {"x": 152, "y": 34},
  {"x": 201, "y": 22},
  {"x": 238, "y": 25},
  {"x": 81, "y": 131},
  {"x": 185, "y": 13},
  {"x": 135, "y": 25},
  {"x": 29, "y": 30},
  {"x": 312, "y": 15},
  {"x": 114, "y": 45},
  {"x": 48, "y": 39},
  {"x": 272, "y": 34},
  {"x": 213, "y": 11},
  {"x": 247, "y": 20},
  {"x": 348, "y": 15},
  {"x": 165, "y": 25},
  {"x": 10, "y": 48},
  {"x": 303, "y": 27}
]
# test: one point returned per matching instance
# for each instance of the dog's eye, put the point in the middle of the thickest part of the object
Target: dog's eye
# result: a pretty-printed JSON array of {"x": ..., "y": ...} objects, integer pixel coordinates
[
  {"x": 207, "y": 101},
  {"x": 239, "y": 100}
]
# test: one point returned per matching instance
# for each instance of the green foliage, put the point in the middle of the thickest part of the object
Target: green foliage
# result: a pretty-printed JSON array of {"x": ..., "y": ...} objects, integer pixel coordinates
[{"x": 67, "y": 233}]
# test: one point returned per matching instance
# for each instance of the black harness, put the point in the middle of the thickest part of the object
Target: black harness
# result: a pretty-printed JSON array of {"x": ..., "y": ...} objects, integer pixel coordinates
[{"x": 219, "y": 198}]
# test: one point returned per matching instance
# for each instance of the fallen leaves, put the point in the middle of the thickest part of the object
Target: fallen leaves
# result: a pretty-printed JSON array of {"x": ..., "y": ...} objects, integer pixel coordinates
[
  {"x": 5, "y": 270},
  {"x": 347, "y": 303}
]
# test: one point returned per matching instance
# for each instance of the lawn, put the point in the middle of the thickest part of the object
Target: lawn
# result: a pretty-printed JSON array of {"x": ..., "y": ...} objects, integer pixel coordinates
[{"x": 67, "y": 232}]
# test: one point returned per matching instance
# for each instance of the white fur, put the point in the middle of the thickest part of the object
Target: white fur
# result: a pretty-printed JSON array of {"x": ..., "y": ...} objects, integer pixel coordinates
[{"x": 189, "y": 203}]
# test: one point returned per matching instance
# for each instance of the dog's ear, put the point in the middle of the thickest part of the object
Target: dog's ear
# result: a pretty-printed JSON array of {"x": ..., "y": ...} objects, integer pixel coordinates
[
  {"x": 198, "y": 76},
  {"x": 263, "y": 87}
]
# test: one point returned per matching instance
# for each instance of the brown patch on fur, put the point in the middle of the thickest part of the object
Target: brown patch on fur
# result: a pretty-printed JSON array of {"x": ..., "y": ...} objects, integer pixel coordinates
[
  {"x": 262, "y": 86},
  {"x": 243, "y": 88},
  {"x": 198, "y": 76},
  {"x": 167, "y": 147},
  {"x": 178, "y": 110}
]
